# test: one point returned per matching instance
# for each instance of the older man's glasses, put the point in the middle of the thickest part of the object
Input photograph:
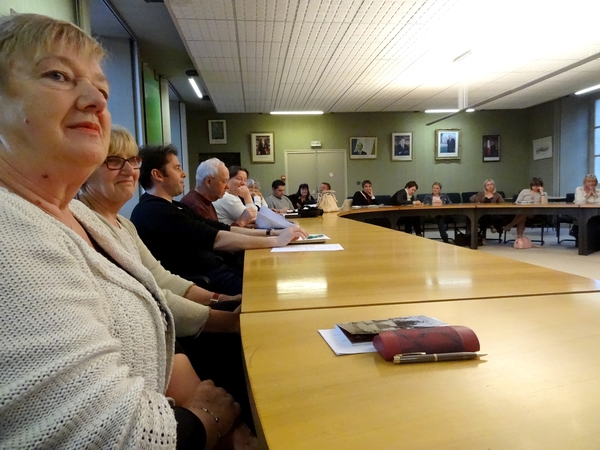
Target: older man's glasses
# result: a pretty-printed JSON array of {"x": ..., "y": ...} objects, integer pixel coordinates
[{"x": 117, "y": 163}]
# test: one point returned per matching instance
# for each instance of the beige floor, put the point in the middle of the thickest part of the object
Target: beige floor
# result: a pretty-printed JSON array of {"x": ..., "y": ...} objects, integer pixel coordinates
[{"x": 561, "y": 256}]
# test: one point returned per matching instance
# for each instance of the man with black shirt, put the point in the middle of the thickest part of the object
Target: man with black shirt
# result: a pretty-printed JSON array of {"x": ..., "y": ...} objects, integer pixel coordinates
[{"x": 184, "y": 241}]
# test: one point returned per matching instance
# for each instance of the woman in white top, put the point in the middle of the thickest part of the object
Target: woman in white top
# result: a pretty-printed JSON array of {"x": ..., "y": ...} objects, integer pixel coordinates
[
  {"x": 589, "y": 192},
  {"x": 236, "y": 207},
  {"x": 254, "y": 187},
  {"x": 535, "y": 194}
]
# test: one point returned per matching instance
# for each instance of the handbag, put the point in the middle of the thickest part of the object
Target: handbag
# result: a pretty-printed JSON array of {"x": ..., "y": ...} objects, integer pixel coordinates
[
  {"x": 327, "y": 201},
  {"x": 522, "y": 243}
]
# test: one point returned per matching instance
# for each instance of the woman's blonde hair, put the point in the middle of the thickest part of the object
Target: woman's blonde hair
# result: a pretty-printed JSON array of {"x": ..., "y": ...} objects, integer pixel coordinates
[
  {"x": 26, "y": 36},
  {"x": 486, "y": 182},
  {"x": 121, "y": 141},
  {"x": 590, "y": 177}
]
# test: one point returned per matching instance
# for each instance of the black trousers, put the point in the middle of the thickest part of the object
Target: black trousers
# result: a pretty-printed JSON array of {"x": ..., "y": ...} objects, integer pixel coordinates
[{"x": 219, "y": 357}]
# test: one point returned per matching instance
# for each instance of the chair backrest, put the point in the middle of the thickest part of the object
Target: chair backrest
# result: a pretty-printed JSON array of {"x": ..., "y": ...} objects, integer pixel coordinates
[
  {"x": 501, "y": 194},
  {"x": 454, "y": 197},
  {"x": 570, "y": 197},
  {"x": 515, "y": 197},
  {"x": 466, "y": 196},
  {"x": 421, "y": 197},
  {"x": 347, "y": 205},
  {"x": 383, "y": 199}
]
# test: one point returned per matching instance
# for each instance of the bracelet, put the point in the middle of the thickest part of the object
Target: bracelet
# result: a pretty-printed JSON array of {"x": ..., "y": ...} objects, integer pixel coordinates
[
  {"x": 215, "y": 298},
  {"x": 216, "y": 420}
]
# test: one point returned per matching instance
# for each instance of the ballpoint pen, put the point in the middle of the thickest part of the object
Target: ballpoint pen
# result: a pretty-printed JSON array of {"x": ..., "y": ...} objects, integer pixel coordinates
[{"x": 408, "y": 358}]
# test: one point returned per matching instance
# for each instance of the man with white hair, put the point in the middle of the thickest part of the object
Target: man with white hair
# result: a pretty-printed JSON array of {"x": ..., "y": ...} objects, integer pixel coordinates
[{"x": 211, "y": 184}]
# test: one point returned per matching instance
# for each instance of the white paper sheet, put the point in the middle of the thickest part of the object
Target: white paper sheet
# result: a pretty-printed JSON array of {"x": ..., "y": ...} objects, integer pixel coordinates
[
  {"x": 308, "y": 248},
  {"x": 265, "y": 218}
]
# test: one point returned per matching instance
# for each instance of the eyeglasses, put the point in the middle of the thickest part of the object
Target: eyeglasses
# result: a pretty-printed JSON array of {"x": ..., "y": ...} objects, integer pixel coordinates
[{"x": 117, "y": 163}]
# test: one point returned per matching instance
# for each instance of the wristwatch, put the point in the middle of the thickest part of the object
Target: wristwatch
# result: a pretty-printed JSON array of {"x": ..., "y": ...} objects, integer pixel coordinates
[{"x": 269, "y": 231}]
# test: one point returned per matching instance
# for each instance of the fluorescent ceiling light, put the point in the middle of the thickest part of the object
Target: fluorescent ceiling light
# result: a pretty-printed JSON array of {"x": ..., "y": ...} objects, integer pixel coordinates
[
  {"x": 195, "y": 87},
  {"x": 585, "y": 91},
  {"x": 470, "y": 110},
  {"x": 436, "y": 111},
  {"x": 297, "y": 112}
]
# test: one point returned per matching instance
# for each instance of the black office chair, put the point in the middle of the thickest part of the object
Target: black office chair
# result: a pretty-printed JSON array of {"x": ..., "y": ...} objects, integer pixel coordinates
[
  {"x": 454, "y": 197},
  {"x": 565, "y": 219},
  {"x": 466, "y": 196},
  {"x": 383, "y": 199}
]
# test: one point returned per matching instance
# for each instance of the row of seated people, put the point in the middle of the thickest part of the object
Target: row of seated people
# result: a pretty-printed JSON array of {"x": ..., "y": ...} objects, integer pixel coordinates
[
  {"x": 90, "y": 363},
  {"x": 588, "y": 193}
]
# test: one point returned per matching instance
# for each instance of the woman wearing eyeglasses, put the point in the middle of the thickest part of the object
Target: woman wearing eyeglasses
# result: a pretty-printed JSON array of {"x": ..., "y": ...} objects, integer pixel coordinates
[{"x": 87, "y": 337}]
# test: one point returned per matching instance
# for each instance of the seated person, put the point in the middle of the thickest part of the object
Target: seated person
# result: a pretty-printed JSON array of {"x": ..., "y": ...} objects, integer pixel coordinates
[
  {"x": 436, "y": 198},
  {"x": 211, "y": 184},
  {"x": 302, "y": 197},
  {"x": 277, "y": 200},
  {"x": 489, "y": 195},
  {"x": 325, "y": 186},
  {"x": 588, "y": 193},
  {"x": 535, "y": 194},
  {"x": 364, "y": 197},
  {"x": 257, "y": 197},
  {"x": 87, "y": 337},
  {"x": 206, "y": 333},
  {"x": 105, "y": 192},
  {"x": 404, "y": 197},
  {"x": 236, "y": 207},
  {"x": 183, "y": 241}
]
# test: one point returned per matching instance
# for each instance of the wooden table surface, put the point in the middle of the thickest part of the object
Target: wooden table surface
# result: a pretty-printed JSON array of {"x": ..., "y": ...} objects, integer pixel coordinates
[
  {"x": 383, "y": 266},
  {"x": 538, "y": 388}
]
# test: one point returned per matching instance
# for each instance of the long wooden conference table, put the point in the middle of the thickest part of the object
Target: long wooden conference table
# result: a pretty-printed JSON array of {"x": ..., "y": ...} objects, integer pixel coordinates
[
  {"x": 537, "y": 388},
  {"x": 587, "y": 216}
]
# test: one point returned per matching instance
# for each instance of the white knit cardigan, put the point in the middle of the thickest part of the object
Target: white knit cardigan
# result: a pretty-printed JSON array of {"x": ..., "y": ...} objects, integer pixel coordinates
[
  {"x": 84, "y": 356},
  {"x": 189, "y": 316}
]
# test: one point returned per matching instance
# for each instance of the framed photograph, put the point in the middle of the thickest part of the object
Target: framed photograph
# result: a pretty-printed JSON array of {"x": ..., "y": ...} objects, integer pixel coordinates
[
  {"x": 447, "y": 144},
  {"x": 217, "y": 132},
  {"x": 490, "y": 147},
  {"x": 402, "y": 146},
  {"x": 262, "y": 148},
  {"x": 542, "y": 148},
  {"x": 363, "y": 148}
]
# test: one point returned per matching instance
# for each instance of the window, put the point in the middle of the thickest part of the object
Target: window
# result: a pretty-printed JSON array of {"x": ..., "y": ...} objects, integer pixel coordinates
[{"x": 597, "y": 139}]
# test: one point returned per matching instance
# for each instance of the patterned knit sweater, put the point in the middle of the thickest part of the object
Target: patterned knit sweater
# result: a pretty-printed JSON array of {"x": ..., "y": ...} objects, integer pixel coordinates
[
  {"x": 84, "y": 355},
  {"x": 190, "y": 317}
]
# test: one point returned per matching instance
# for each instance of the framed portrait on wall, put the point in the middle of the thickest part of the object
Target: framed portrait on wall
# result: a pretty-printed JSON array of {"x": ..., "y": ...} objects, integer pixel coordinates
[
  {"x": 447, "y": 144},
  {"x": 363, "y": 148},
  {"x": 542, "y": 148},
  {"x": 262, "y": 147},
  {"x": 402, "y": 146},
  {"x": 490, "y": 147},
  {"x": 217, "y": 132}
]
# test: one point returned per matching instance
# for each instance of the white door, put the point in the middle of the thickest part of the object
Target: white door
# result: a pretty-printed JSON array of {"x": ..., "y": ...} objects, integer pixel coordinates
[{"x": 314, "y": 167}]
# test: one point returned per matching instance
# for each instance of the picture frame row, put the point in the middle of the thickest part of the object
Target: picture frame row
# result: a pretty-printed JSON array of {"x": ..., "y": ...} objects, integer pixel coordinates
[{"x": 447, "y": 144}]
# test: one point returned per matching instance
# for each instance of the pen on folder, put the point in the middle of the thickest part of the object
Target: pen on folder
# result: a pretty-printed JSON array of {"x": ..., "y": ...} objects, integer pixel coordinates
[
  {"x": 408, "y": 358},
  {"x": 315, "y": 236}
]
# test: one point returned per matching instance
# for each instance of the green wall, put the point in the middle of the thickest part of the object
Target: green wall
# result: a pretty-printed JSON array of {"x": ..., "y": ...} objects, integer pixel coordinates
[
  {"x": 152, "y": 108},
  {"x": 58, "y": 9},
  {"x": 511, "y": 174}
]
